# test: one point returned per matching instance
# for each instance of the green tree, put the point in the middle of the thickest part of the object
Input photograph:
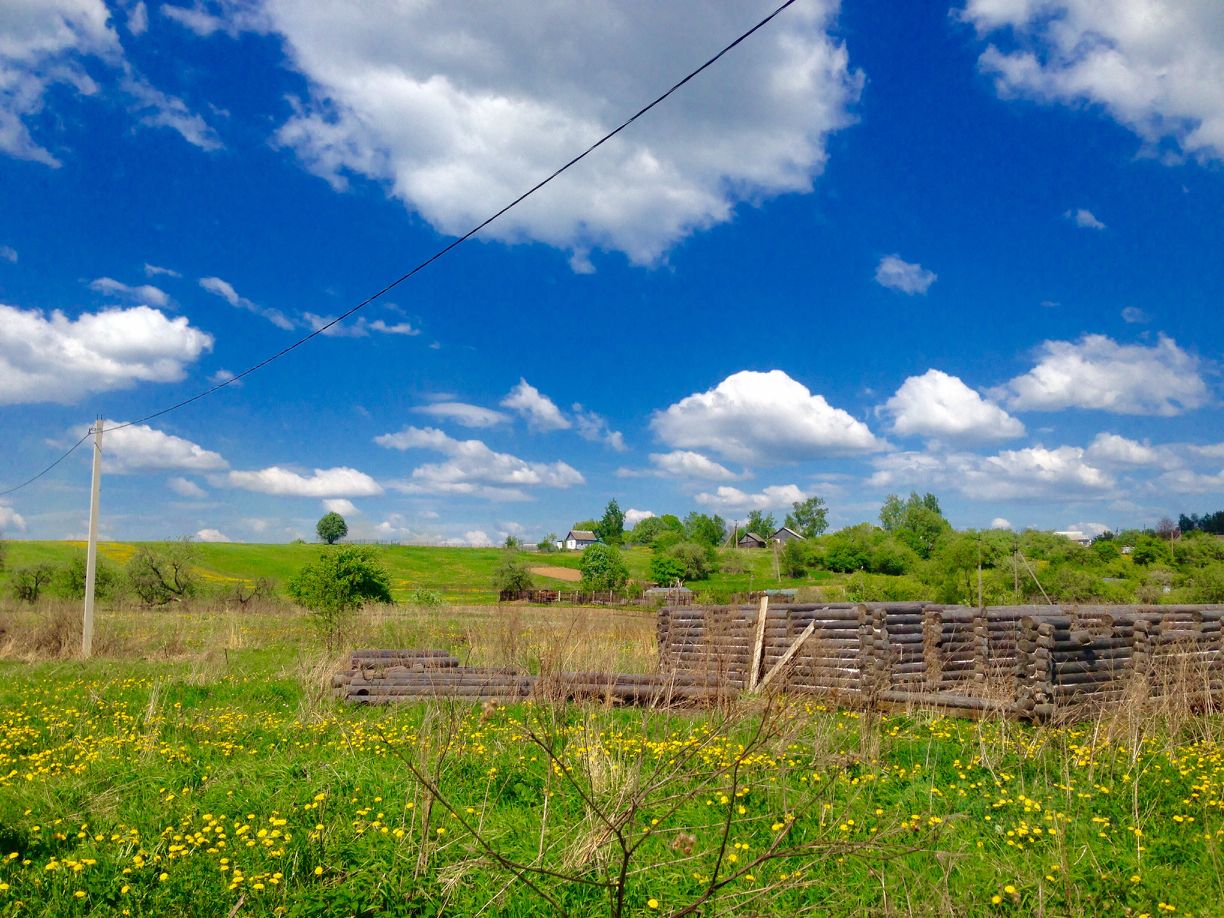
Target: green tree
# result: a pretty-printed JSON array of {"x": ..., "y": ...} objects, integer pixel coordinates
[
  {"x": 705, "y": 529},
  {"x": 513, "y": 543},
  {"x": 918, "y": 521},
  {"x": 611, "y": 528},
  {"x": 665, "y": 570},
  {"x": 27, "y": 583},
  {"x": 70, "y": 579},
  {"x": 512, "y": 574},
  {"x": 892, "y": 513},
  {"x": 889, "y": 556},
  {"x": 761, "y": 523},
  {"x": 339, "y": 582},
  {"x": 655, "y": 528},
  {"x": 586, "y": 525},
  {"x": 1106, "y": 550},
  {"x": 1207, "y": 584},
  {"x": 850, "y": 549},
  {"x": 808, "y": 517},
  {"x": 794, "y": 559},
  {"x": 162, "y": 575},
  {"x": 603, "y": 568},
  {"x": 331, "y": 527},
  {"x": 1151, "y": 550},
  {"x": 548, "y": 543},
  {"x": 698, "y": 561}
]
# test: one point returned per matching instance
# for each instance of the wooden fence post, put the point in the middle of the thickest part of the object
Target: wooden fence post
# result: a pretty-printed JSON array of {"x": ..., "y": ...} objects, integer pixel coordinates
[{"x": 758, "y": 646}]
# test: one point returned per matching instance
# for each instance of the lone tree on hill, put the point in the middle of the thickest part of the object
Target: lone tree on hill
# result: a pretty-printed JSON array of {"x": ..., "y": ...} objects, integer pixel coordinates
[
  {"x": 808, "y": 517},
  {"x": 331, "y": 527},
  {"x": 611, "y": 529}
]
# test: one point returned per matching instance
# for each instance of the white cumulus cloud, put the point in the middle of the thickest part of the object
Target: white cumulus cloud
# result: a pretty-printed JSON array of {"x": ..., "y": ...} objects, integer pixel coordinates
[
  {"x": 727, "y": 499},
  {"x": 225, "y": 290},
  {"x": 1133, "y": 315},
  {"x": 463, "y": 413},
  {"x": 684, "y": 463},
  {"x": 340, "y": 505},
  {"x": 1156, "y": 66},
  {"x": 1084, "y": 219},
  {"x": 320, "y": 483},
  {"x": 47, "y": 43},
  {"x": 52, "y": 358},
  {"x": 1000, "y": 523},
  {"x": 141, "y": 448},
  {"x": 765, "y": 418},
  {"x": 41, "y": 45},
  {"x": 455, "y": 109},
  {"x": 1035, "y": 472},
  {"x": 540, "y": 411},
  {"x": 1118, "y": 450},
  {"x": 212, "y": 535},
  {"x": 154, "y": 108},
  {"x": 594, "y": 427},
  {"x": 941, "y": 406},
  {"x": 471, "y": 467},
  {"x": 895, "y": 273},
  {"x": 185, "y": 487},
  {"x": 359, "y": 327},
  {"x": 633, "y": 516},
  {"x": 1186, "y": 481},
  {"x": 1098, "y": 372},
  {"x": 141, "y": 293},
  {"x": 11, "y": 519}
]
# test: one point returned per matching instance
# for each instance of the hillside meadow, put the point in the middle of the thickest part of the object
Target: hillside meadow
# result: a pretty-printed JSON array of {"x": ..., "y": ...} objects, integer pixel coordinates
[
  {"x": 463, "y": 575},
  {"x": 199, "y": 765}
]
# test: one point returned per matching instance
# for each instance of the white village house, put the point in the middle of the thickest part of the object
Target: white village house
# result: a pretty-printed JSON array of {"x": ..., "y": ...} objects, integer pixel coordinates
[{"x": 577, "y": 539}]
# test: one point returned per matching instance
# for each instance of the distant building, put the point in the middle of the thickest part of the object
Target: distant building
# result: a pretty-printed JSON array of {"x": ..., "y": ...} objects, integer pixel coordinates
[
  {"x": 751, "y": 540},
  {"x": 1080, "y": 538},
  {"x": 577, "y": 539},
  {"x": 786, "y": 534}
]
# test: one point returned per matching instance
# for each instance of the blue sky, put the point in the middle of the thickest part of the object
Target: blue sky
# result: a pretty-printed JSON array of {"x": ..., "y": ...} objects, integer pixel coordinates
[{"x": 973, "y": 249}]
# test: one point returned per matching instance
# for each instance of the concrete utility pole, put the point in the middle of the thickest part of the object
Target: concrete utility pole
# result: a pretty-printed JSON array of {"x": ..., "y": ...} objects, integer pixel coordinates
[{"x": 91, "y": 555}]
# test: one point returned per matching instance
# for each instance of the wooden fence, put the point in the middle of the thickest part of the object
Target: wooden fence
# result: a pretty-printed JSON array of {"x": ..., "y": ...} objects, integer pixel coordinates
[{"x": 1033, "y": 661}]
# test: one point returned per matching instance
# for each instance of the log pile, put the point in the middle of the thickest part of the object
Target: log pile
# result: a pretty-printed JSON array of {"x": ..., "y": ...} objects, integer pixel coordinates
[
  {"x": 1038, "y": 662},
  {"x": 384, "y": 676}
]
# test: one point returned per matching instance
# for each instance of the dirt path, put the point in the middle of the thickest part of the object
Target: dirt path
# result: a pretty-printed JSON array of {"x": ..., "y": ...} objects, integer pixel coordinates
[{"x": 558, "y": 573}]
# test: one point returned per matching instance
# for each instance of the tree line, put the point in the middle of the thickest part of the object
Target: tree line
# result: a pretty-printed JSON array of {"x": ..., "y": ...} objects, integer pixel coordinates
[{"x": 913, "y": 552}]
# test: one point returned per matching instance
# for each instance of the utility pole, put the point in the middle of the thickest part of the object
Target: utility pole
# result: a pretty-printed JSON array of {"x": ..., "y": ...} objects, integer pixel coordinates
[{"x": 91, "y": 555}]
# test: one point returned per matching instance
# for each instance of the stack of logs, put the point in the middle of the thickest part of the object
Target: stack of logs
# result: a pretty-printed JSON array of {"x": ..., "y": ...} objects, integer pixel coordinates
[
  {"x": 383, "y": 676},
  {"x": 1034, "y": 661}
]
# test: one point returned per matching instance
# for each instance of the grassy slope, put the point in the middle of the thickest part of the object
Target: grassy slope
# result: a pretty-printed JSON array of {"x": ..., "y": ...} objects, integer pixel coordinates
[{"x": 465, "y": 574}]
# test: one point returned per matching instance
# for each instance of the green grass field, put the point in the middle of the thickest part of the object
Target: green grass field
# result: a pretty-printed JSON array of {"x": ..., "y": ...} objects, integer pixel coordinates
[
  {"x": 201, "y": 768},
  {"x": 459, "y": 574}
]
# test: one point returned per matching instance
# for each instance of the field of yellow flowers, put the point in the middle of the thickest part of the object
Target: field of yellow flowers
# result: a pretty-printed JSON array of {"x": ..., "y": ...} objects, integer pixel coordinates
[{"x": 232, "y": 786}]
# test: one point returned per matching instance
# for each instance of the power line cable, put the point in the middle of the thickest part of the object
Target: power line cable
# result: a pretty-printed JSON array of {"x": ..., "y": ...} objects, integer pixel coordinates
[
  {"x": 71, "y": 450},
  {"x": 455, "y": 243}
]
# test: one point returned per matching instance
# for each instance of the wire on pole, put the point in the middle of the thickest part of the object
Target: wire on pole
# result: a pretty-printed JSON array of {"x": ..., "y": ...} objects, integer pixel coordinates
[{"x": 71, "y": 450}]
